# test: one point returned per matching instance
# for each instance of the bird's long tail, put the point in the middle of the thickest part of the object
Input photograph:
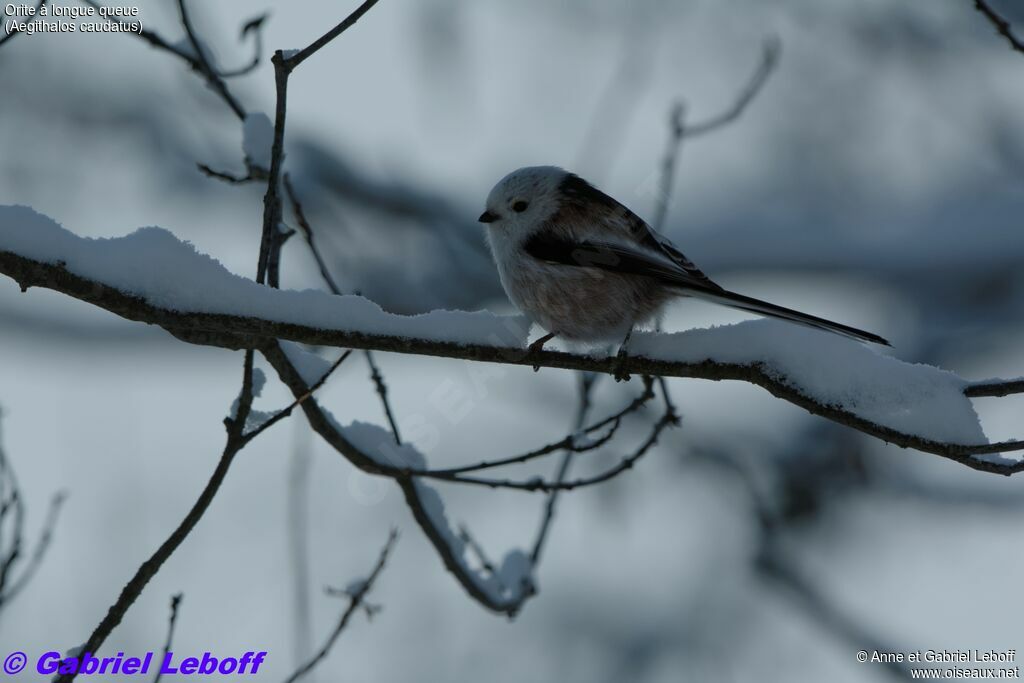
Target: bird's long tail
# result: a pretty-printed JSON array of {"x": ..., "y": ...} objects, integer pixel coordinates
[{"x": 746, "y": 303}]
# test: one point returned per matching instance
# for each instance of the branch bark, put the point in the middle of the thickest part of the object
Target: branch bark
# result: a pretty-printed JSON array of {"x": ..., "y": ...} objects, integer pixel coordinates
[{"x": 237, "y": 332}]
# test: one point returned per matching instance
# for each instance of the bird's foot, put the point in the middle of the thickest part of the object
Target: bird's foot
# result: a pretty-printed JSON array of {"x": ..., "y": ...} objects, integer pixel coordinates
[
  {"x": 621, "y": 359},
  {"x": 538, "y": 346}
]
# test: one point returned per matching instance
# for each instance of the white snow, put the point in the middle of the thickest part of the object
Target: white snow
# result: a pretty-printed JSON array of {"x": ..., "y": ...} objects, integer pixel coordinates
[
  {"x": 911, "y": 398},
  {"x": 257, "y": 139},
  {"x": 515, "y": 573},
  {"x": 288, "y": 54},
  {"x": 255, "y": 417},
  {"x": 153, "y": 264},
  {"x": 311, "y": 367}
]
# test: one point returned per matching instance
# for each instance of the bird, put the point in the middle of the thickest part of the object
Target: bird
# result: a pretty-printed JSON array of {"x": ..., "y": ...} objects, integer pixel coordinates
[{"x": 587, "y": 269}]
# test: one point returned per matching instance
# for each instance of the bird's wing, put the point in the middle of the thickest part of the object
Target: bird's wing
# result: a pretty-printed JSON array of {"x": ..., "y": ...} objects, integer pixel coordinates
[
  {"x": 593, "y": 230},
  {"x": 585, "y": 205},
  {"x": 629, "y": 260}
]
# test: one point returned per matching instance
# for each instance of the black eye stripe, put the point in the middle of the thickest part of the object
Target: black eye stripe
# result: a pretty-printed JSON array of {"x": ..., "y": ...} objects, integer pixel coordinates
[{"x": 519, "y": 206}]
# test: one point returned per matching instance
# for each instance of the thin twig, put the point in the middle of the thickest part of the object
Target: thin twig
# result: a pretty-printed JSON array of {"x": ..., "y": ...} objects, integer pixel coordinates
[
  {"x": 585, "y": 388},
  {"x": 131, "y": 591},
  {"x": 1001, "y": 25},
  {"x": 769, "y": 60},
  {"x": 356, "y": 600},
  {"x": 328, "y": 429},
  {"x": 203, "y": 62},
  {"x": 255, "y": 27},
  {"x": 293, "y": 61},
  {"x": 175, "y": 602},
  {"x": 282, "y": 68},
  {"x": 9, "y": 36},
  {"x": 250, "y": 177},
  {"x": 155, "y": 40},
  {"x": 306, "y": 228},
  {"x": 477, "y": 550},
  {"x": 285, "y": 412},
  {"x": 570, "y": 442},
  {"x": 12, "y": 514},
  {"x": 382, "y": 392},
  {"x": 538, "y": 484},
  {"x": 272, "y": 198},
  {"x": 307, "y": 233},
  {"x": 42, "y": 545}
]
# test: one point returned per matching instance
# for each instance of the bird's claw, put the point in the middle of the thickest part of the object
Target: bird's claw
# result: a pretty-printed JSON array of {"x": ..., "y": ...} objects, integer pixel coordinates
[
  {"x": 536, "y": 347},
  {"x": 620, "y": 373}
]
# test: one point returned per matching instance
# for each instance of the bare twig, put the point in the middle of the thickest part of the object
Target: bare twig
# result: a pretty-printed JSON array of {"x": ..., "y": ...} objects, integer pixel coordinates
[
  {"x": 12, "y": 521},
  {"x": 155, "y": 40},
  {"x": 9, "y": 36},
  {"x": 236, "y": 440},
  {"x": 41, "y": 546},
  {"x": 307, "y": 232},
  {"x": 175, "y": 602},
  {"x": 325, "y": 426},
  {"x": 294, "y": 60},
  {"x": 283, "y": 66},
  {"x": 130, "y": 593},
  {"x": 249, "y": 177},
  {"x": 1001, "y": 25},
  {"x": 255, "y": 28},
  {"x": 382, "y": 392},
  {"x": 285, "y": 412},
  {"x": 272, "y": 198},
  {"x": 769, "y": 60},
  {"x": 538, "y": 484},
  {"x": 585, "y": 388},
  {"x": 202, "y": 62},
  {"x": 357, "y": 599},
  {"x": 570, "y": 443},
  {"x": 477, "y": 549}
]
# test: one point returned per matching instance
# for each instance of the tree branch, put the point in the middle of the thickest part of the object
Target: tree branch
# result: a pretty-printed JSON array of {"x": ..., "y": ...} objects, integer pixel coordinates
[
  {"x": 422, "y": 511},
  {"x": 769, "y": 60},
  {"x": 1001, "y": 25},
  {"x": 204, "y": 66},
  {"x": 357, "y": 599},
  {"x": 171, "y": 621},
  {"x": 293, "y": 61},
  {"x": 12, "y": 34},
  {"x": 232, "y": 331}
]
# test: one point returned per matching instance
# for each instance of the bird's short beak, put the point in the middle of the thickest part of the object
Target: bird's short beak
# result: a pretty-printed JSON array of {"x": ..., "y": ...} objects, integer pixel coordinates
[{"x": 487, "y": 217}]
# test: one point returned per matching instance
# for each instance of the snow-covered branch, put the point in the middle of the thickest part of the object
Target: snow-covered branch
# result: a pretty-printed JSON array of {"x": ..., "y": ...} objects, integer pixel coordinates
[{"x": 152, "y": 277}]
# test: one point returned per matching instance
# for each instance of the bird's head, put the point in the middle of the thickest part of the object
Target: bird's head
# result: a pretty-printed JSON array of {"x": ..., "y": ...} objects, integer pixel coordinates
[{"x": 524, "y": 200}]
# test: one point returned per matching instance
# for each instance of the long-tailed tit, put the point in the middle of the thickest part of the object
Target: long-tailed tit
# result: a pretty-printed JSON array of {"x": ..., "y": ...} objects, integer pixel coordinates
[{"x": 586, "y": 268}]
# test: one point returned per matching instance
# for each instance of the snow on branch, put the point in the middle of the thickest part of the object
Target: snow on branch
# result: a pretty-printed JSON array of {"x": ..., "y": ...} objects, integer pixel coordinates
[
  {"x": 150, "y": 276},
  {"x": 373, "y": 449}
]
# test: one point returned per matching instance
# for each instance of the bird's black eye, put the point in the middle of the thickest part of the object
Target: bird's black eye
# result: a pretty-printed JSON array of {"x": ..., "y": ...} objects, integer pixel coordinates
[{"x": 520, "y": 206}]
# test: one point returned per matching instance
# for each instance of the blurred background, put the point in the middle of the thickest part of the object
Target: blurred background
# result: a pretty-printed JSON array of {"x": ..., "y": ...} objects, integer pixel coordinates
[{"x": 878, "y": 179}]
